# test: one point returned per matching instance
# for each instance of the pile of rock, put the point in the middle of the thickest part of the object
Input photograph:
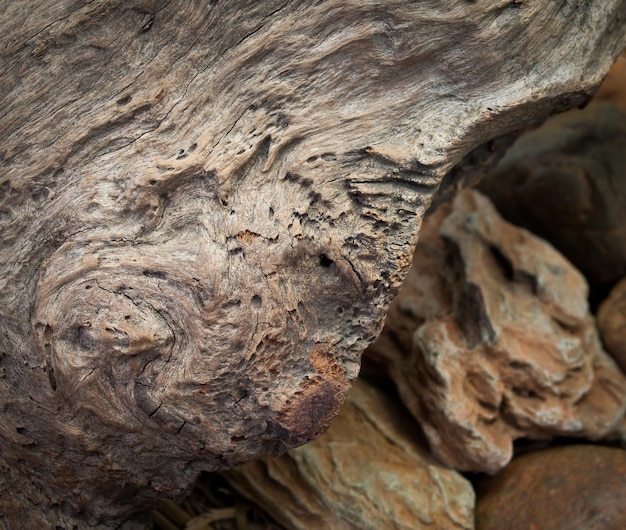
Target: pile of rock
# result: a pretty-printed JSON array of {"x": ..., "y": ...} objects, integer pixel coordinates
[{"x": 492, "y": 340}]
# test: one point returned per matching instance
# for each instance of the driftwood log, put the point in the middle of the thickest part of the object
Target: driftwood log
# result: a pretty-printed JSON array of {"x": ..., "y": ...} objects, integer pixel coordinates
[{"x": 206, "y": 207}]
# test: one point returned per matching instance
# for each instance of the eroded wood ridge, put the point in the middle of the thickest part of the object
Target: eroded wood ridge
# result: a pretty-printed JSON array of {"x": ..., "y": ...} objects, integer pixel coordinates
[{"x": 206, "y": 207}]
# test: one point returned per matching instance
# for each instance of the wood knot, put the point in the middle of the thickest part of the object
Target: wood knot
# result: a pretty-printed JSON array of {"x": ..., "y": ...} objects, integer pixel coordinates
[{"x": 101, "y": 324}]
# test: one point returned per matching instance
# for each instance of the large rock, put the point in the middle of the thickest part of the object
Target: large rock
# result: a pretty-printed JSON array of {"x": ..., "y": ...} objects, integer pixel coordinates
[
  {"x": 565, "y": 488},
  {"x": 612, "y": 323},
  {"x": 367, "y": 472},
  {"x": 491, "y": 340},
  {"x": 566, "y": 182}
]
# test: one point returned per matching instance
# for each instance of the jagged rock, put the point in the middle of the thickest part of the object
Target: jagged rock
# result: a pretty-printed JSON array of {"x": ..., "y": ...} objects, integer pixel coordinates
[
  {"x": 612, "y": 323},
  {"x": 367, "y": 471},
  {"x": 491, "y": 340},
  {"x": 566, "y": 182},
  {"x": 562, "y": 488}
]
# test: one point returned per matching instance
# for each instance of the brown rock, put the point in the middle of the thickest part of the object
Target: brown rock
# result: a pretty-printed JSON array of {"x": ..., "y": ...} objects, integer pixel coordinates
[
  {"x": 566, "y": 182},
  {"x": 491, "y": 340},
  {"x": 612, "y": 323},
  {"x": 564, "y": 488},
  {"x": 366, "y": 472},
  {"x": 613, "y": 87}
]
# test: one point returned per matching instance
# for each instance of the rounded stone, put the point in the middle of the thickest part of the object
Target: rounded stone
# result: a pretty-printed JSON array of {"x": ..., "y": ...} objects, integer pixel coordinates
[
  {"x": 579, "y": 486},
  {"x": 612, "y": 323}
]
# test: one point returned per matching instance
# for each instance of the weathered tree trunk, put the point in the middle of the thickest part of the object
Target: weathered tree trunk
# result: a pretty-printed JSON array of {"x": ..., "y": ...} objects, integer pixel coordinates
[{"x": 206, "y": 207}]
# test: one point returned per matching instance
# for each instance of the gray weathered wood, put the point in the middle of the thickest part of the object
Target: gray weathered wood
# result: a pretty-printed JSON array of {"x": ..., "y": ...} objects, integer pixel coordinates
[{"x": 206, "y": 207}]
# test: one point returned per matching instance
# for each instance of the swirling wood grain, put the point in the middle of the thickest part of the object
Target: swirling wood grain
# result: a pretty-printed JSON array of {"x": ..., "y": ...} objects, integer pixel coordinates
[{"x": 206, "y": 207}]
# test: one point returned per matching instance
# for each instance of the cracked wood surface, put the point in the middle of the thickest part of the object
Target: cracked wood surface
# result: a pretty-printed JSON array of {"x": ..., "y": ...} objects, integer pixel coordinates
[{"x": 206, "y": 207}]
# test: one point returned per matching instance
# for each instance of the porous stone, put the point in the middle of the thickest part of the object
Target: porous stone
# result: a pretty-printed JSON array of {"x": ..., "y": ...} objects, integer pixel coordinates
[
  {"x": 367, "y": 472},
  {"x": 612, "y": 323},
  {"x": 563, "y": 488},
  {"x": 491, "y": 340}
]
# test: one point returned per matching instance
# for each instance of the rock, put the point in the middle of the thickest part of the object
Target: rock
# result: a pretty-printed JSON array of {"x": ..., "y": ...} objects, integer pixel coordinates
[
  {"x": 563, "y": 488},
  {"x": 366, "y": 472},
  {"x": 613, "y": 87},
  {"x": 612, "y": 323},
  {"x": 491, "y": 340},
  {"x": 566, "y": 182}
]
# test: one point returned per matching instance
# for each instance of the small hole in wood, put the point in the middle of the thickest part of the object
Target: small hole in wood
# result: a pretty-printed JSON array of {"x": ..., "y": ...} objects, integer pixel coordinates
[
  {"x": 325, "y": 261},
  {"x": 155, "y": 274}
]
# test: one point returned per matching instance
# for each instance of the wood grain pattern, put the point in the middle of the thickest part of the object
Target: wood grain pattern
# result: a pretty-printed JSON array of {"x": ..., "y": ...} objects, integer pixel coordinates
[{"x": 206, "y": 207}]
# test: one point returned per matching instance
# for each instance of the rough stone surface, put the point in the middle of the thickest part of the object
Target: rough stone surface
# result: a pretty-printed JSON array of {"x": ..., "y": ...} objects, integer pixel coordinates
[
  {"x": 367, "y": 472},
  {"x": 576, "y": 487},
  {"x": 612, "y": 323},
  {"x": 566, "y": 182},
  {"x": 490, "y": 340},
  {"x": 207, "y": 206}
]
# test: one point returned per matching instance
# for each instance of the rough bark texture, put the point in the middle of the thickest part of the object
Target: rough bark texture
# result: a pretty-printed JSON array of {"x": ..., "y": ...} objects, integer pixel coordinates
[
  {"x": 205, "y": 208},
  {"x": 491, "y": 340}
]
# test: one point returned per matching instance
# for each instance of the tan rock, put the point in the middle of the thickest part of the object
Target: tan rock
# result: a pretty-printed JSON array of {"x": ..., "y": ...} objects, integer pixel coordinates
[
  {"x": 366, "y": 472},
  {"x": 503, "y": 346},
  {"x": 612, "y": 323}
]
